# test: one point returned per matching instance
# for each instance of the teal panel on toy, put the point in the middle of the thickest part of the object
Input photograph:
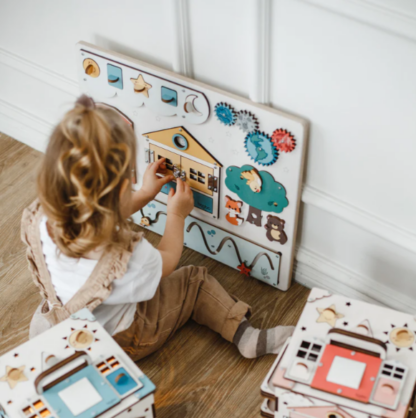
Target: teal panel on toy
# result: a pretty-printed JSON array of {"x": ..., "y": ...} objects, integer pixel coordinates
[
  {"x": 201, "y": 201},
  {"x": 115, "y": 76},
  {"x": 121, "y": 381},
  {"x": 88, "y": 382},
  {"x": 229, "y": 249},
  {"x": 169, "y": 96},
  {"x": 256, "y": 188},
  {"x": 148, "y": 387}
]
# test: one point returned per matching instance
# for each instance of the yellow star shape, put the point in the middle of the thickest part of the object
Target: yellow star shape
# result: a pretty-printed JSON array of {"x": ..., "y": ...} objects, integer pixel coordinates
[
  {"x": 13, "y": 376},
  {"x": 140, "y": 86},
  {"x": 329, "y": 315}
]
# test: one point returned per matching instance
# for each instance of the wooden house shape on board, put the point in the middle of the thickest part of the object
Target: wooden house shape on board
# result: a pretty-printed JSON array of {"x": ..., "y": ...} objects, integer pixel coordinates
[{"x": 188, "y": 159}]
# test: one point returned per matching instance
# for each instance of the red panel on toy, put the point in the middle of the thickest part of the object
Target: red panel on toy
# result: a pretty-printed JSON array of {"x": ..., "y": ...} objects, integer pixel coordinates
[{"x": 347, "y": 373}]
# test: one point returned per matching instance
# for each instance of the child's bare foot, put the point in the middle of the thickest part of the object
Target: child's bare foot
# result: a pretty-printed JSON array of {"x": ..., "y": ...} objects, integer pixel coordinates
[{"x": 253, "y": 342}]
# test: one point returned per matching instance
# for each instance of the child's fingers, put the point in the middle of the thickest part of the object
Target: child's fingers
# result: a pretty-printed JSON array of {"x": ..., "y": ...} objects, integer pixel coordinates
[
  {"x": 171, "y": 192},
  {"x": 187, "y": 188},
  {"x": 166, "y": 179},
  {"x": 180, "y": 185},
  {"x": 157, "y": 164}
]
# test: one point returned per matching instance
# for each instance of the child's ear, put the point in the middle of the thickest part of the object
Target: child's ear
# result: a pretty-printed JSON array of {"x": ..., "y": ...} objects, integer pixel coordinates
[{"x": 124, "y": 187}]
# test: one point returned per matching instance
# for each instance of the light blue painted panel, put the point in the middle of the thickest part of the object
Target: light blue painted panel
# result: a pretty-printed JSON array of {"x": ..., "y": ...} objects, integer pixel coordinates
[
  {"x": 147, "y": 389},
  {"x": 90, "y": 372},
  {"x": 115, "y": 76},
  {"x": 262, "y": 269},
  {"x": 169, "y": 96}
]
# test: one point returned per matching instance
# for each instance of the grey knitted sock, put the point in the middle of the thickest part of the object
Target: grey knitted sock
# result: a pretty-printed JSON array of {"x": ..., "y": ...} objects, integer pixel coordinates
[{"x": 253, "y": 342}]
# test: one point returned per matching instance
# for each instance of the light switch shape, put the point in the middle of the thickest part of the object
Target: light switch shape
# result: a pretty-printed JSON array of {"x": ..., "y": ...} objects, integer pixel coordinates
[
  {"x": 346, "y": 372},
  {"x": 169, "y": 96},
  {"x": 80, "y": 396},
  {"x": 115, "y": 76}
]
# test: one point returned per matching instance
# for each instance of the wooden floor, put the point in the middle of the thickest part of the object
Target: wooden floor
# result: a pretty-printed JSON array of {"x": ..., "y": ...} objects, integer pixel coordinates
[{"x": 197, "y": 373}]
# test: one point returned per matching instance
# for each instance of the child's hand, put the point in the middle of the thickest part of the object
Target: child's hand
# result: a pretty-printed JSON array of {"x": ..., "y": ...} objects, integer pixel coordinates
[
  {"x": 152, "y": 184},
  {"x": 181, "y": 202}
]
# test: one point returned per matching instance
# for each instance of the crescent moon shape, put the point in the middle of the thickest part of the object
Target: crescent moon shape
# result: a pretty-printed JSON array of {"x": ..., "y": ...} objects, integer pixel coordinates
[{"x": 189, "y": 105}]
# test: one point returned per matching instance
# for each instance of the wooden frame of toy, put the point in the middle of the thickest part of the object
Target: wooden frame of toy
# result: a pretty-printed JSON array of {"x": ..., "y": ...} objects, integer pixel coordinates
[
  {"x": 74, "y": 369},
  {"x": 243, "y": 160},
  {"x": 346, "y": 359}
]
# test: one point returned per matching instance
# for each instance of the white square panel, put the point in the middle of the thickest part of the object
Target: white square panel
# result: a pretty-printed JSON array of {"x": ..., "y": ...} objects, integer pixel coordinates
[
  {"x": 80, "y": 396},
  {"x": 346, "y": 372}
]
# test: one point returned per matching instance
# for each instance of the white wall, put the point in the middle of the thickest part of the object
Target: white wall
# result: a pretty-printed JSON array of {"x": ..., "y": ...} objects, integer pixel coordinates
[{"x": 347, "y": 66}]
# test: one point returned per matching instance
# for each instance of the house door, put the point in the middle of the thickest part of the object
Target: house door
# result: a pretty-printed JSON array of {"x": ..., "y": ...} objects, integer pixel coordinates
[
  {"x": 197, "y": 174},
  {"x": 171, "y": 157}
]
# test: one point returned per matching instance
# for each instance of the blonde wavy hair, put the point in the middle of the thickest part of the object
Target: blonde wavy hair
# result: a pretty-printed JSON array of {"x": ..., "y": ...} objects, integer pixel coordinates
[{"x": 89, "y": 155}]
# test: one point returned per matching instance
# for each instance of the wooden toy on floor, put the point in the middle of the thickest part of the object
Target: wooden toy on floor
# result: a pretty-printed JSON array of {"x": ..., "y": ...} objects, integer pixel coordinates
[
  {"x": 346, "y": 359},
  {"x": 75, "y": 369},
  {"x": 242, "y": 160}
]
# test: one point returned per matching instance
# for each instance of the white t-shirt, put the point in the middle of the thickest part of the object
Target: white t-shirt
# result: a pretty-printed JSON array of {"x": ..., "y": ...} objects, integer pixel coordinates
[{"x": 144, "y": 271}]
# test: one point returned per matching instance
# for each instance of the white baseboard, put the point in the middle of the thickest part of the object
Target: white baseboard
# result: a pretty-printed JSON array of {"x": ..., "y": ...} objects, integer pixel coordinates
[
  {"x": 24, "y": 126},
  {"x": 314, "y": 270}
]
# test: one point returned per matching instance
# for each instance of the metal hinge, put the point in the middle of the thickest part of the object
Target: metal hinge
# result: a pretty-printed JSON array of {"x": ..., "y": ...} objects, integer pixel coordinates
[
  {"x": 149, "y": 156},
  {"x": 212, "y": 183}
]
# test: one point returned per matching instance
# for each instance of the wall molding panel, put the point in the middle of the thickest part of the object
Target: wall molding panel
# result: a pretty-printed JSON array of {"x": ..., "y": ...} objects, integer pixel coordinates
[
  {"x": 310, "y": 268},
  {"x": 177, "y": 15},
  {"x": 314, "y": 270},
  {"x": 311, "y": 195},
  {"x": 370, "y": 12},
  {"x": 39, "y": 72},
  {"x": 360, "y": 217},
  {"x": 260, "y": 35}
]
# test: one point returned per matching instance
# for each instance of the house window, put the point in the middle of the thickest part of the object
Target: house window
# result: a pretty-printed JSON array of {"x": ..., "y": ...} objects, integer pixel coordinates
[
  {"x": 180, "y": 142},
  {"x": 168, "y": 162},
  {"x": 196, "y": 175}
]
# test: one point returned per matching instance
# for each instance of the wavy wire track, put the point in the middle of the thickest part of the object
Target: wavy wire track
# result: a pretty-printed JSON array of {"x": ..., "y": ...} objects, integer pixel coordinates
[
  {"x": 222, "y": 243},
  {"x": 156, "y": 218}
]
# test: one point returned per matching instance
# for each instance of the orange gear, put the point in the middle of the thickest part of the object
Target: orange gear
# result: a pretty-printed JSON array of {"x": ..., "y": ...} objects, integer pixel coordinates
[{"x": 283, "y": 140}]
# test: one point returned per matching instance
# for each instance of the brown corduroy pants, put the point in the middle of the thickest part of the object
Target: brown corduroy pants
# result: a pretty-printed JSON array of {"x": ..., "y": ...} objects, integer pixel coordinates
[{"x": 189, "y": 292}]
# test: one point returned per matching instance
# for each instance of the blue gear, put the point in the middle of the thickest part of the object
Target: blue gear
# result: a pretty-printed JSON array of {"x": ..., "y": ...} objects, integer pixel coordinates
[
  {"x": 225, "y": 114},
  {"x": 260, "y": 148}
]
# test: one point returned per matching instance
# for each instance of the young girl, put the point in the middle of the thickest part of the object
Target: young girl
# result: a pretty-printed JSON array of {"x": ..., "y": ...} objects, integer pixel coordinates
[{"x": 83, "y": 252}]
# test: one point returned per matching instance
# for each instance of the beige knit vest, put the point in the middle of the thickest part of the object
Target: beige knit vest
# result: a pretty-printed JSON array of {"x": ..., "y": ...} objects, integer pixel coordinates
[{"x": 97, "y": 288}]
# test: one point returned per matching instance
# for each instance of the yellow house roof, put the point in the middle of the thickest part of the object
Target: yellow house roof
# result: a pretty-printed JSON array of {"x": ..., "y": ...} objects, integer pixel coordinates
[{"x": 193, "y": 149}]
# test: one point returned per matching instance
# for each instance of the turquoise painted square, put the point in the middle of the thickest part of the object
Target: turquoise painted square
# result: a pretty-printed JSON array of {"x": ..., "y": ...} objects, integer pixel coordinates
[
  {"x": 125, "y": 383},
  {"x": 115, "y": 76},
  {"x": 169, "y": 96}
]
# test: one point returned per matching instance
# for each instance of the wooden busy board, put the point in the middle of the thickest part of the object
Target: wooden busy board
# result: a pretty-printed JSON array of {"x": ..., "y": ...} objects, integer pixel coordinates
[{"x": 243, "y": 161}]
